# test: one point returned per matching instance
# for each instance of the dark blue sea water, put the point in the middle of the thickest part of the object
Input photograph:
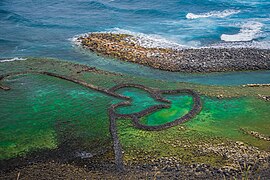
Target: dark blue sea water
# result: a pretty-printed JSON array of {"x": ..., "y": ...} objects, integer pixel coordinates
[{"x": 45, "y": 29}]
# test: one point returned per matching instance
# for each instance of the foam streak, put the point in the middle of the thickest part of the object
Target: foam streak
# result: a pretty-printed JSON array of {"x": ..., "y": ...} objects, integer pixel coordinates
[
  {"x": 218, "y": 14},
  {"x": 248, "y": 32},
  {"x": 13, "y": 59}
]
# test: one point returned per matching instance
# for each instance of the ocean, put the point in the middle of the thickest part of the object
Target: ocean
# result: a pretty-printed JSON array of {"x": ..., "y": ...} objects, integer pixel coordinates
[{"x": 46, "y": 28}]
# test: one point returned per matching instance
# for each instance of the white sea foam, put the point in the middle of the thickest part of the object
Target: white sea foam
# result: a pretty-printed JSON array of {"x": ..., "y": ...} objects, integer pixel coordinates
[
  {"x": 150, "y": 40},
  {"x": 218, "y": 14},
  {"x": 157, "y": 41},
  {"x": 12, "y": 59},
  {"x": 141, "y": 39},
  {"x": 248, "y": 32},
  {"x": 76, "y": 39}
]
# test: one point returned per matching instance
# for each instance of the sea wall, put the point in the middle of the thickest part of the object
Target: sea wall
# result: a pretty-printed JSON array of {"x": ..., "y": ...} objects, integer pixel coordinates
[{"x": 127, "y": 48}]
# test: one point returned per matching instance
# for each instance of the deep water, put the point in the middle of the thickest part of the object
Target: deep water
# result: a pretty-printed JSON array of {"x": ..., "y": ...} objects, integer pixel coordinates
[{"x": 45, "y": 28}]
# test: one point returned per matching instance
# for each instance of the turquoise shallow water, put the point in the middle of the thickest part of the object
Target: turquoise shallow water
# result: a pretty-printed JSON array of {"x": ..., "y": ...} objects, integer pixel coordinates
[
  {"x": 219, "y": 117},
  {"x": 44, "y": 29},
  {"x": 42, "y": 112}
]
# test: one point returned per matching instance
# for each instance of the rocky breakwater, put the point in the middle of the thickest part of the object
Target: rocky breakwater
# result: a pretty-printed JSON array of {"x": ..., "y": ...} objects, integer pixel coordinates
[{"x": 128, "y": 48}]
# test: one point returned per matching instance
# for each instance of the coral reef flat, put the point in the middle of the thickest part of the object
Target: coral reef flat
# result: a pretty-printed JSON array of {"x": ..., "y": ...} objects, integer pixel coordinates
[
  {"x": 130, "y": 48},
  {"x": 56, "y": 120}
]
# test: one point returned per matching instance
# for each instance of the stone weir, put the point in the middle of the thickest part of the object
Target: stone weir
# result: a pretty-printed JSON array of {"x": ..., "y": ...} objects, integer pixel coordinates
[
  {"x": 128, "y": 48},
  {"x": 135, "y": 117}
]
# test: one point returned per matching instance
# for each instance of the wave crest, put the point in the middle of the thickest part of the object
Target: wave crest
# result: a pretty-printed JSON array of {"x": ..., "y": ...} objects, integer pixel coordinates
[
  {"x": 12, "y": 59},
  {"x": 248, "y": 32},
  {"x": 141, "y": 39},
  {"x": 219, "y": 14},
  {"x": 150, "y": 40}
]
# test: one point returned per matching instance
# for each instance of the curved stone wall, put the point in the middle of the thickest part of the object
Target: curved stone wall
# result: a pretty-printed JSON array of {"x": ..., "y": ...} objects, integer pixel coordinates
[{"x": 135, "y": 117}]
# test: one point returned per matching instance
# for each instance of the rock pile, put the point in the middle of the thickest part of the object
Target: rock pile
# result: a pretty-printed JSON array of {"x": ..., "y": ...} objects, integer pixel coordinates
[{"x": 126, "y": 47}]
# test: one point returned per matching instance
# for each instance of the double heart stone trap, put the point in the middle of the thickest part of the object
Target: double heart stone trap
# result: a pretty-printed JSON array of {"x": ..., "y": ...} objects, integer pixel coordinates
[{"x": 135, "y": 117}]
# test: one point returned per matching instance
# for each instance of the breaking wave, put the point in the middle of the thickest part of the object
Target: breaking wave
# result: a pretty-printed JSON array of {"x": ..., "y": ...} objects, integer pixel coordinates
[
  {"x": 218, "y": 14},
  {"x": 248, "y": 32},
  {"x": 12, "y": 59},
  {"x": 150, "y": 40},
  {"x": 144, "y": 40}
]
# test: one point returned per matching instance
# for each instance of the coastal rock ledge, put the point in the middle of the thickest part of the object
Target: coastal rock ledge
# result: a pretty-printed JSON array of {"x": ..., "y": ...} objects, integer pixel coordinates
[{"x": 128, "y": 48}]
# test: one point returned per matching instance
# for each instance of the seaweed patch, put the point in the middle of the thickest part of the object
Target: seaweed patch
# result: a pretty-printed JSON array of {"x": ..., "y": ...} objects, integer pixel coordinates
[{"x": 135, "y": 117}]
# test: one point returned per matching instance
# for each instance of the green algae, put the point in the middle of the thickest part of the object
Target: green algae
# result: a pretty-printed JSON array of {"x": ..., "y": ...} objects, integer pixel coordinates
[
  {"x": 226, "y": 117},
  {"x": 140, "y": 100},
  {"x": 180, "y": 106},
  {"x": 32, "y": 121},
  {"x": 220, "y": 119},
  {"x": 43, "y": 112}
]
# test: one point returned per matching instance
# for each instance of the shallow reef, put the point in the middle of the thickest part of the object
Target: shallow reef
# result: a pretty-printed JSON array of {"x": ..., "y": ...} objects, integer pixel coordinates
[{"x": 50, "y": 123}]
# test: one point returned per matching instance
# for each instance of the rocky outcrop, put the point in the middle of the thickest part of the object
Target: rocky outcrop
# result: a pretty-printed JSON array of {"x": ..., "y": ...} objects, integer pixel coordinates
[{"x": 127, "y": 48}]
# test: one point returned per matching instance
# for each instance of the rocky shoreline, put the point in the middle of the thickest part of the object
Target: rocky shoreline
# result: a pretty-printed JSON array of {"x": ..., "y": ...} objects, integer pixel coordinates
[
  {"x": 128, "y": 48},
  {"x": 61, "y": 164}
]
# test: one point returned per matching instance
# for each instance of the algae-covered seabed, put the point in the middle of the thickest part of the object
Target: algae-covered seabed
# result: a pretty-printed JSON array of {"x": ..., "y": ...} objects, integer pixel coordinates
[{"x": 42, "y": 113}]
